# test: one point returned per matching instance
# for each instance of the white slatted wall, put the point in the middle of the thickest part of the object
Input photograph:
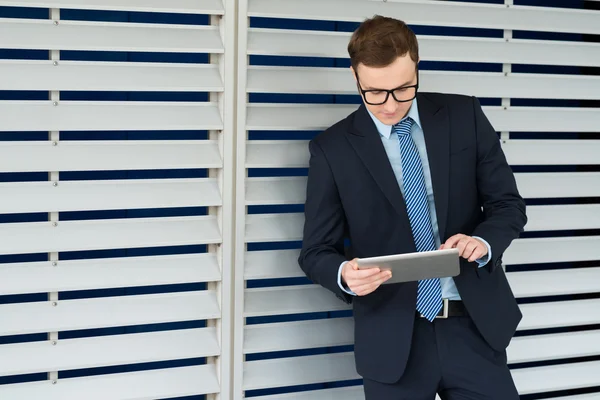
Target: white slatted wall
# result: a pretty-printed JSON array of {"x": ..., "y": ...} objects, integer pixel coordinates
[
  {"x": 191, "y": 135},
  {"x": 258, "y": 363}
]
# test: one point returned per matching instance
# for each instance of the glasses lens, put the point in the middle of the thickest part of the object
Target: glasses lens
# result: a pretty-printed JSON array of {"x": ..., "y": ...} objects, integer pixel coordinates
[
  {"x": 376, "y": 97},
  {"x": 405, "y": 94}
]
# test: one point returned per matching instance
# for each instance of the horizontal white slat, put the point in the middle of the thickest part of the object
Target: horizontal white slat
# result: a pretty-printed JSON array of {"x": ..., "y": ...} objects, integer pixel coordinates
[
  {"x": 290, "y": 300},
  {"x": 346, "y": 393},
  {"x": 298, "y": 335},
  {"x": 26, "y": 197},
  {"x": 557, "y": 377},
  {"x": 557, "y": 185},
  {"x": 94, "y": 313},
  {"x": 340, "y": 331},
  {"x": 555, "y": 282},
  {"x": 173, "y": 6},
  {"x": 161, "y": 383},
  {"x": 552, "y": 152},
  {"x": 298, "y": 371},
  {"x": 514, "y": 119},
  {"x": 269, "y": 264},
  {"x": 589, "y": 396},
  {"x": 314, "y": 298},
  {"x": 279, "y": 190},
  {"x": 547, "y": 250},
  {"x": 434, "y": 13},
  {"x": 108, "y": 76},
  {"x": 274, "y": 227},
  {"x": 562, "y": 217},
  {"x": 108, "y": 155},
  {"x": 301, "y": 43},
  {"x": 19, "y": 116},
  {"x": 288, "y": 226},
  {"x": 40, "y": 277},
  {"x": 28, "y": 358},
  {"x": 108, "y": 36},
  {"x": 43, "y": 237},
  {"x": 292, "y": 190},
  {"x": 267, "y": 79},
  {"x": 325, "y": 368},
  {"x": 554, "y": 346},
  {"x": 560, "y": 314},
  {"x": 294, "y": 153}
]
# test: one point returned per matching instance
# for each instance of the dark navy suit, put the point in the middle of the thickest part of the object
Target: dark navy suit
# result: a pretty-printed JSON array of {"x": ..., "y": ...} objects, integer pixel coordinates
[{"x": 352, "y": 193}]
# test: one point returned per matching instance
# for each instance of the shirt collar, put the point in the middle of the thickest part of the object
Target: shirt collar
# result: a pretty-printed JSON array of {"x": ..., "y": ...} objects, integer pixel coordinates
[{"x": 386, "y": 130}]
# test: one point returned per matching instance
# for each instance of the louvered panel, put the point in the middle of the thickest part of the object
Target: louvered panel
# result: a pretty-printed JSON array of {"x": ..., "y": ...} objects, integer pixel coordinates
[
  {"x": 108, "y": 155},
  {"x": 285, "y": 336},
  {"x": 299, "y": 371},
  {"x": 43, "y": 237},
  {"x": 554, "y": 346},
  {"x": 557, "y": 377},
  {"x": 109, "y": 76},
  {"x": 290, "y": 300},
  {"x": 434, "y": 13},
  {"x": 301, "y": 43},
  {"x": 108, "y": 36},
  {"x": 274, "y": 227},
  {"x": 29, "y": 197},
  {"x": 309, "y": 117},
  {"x": 277, "y": 153},
  {"x": 23, "y": 116},
  {"x": 35, "y": 357},
  {"x": 263, "y": 79},
  {"x": 161, "y": 383},
  {"x": 549, "y": 250},
  {"x": 24, "y": 318},
  {"x": 173, "y": 6},
  {"x": 555, "y": 282},
  {"x": 40, "y": 277}
]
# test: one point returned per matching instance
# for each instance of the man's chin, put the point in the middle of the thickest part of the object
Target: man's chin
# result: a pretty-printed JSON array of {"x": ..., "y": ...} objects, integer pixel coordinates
[{"x": 389, "y": 119}]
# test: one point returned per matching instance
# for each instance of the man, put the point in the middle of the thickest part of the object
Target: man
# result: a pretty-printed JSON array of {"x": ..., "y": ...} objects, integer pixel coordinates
[{"x": 411, "y": 172}]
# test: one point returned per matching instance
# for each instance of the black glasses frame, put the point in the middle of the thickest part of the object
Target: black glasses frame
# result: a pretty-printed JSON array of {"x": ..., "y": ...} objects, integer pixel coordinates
[{"x": 388, "y": 92}]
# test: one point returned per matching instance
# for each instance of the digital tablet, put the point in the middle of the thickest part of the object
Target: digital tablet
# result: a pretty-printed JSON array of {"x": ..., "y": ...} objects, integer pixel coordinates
[{"x": 416, "y": 266}]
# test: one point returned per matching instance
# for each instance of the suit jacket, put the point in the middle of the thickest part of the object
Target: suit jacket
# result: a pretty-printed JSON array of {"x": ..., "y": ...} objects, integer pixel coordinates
[{"x": 352, "y": 193}]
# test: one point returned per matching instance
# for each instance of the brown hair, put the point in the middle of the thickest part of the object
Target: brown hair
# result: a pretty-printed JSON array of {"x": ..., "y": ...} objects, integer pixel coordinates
[{"x": 379, "y": 41}]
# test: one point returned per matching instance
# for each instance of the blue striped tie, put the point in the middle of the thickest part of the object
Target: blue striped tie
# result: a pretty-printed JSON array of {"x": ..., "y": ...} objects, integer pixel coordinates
[{"x": 429, "y": 291}]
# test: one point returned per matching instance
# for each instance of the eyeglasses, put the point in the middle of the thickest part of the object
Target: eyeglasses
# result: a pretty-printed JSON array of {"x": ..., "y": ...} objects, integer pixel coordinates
[{"x": 380, "y": 96}]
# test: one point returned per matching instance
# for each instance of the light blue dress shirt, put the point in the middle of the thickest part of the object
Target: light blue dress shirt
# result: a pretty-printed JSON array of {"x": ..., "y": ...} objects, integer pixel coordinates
[{"x": 392, "y": 148}]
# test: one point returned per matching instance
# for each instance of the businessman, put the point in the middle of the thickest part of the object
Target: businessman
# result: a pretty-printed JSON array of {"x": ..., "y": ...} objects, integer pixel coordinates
[{"x": 410, "y": 172}]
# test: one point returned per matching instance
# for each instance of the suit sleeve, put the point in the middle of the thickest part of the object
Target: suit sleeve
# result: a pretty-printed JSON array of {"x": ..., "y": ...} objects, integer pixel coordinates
[
  {"x": 324, "y": 226},
  {"x": 504, "y": 208}
]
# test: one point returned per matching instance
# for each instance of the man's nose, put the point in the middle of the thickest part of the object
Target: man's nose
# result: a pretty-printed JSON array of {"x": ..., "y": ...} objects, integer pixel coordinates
[{"x": 390, "y": 105}]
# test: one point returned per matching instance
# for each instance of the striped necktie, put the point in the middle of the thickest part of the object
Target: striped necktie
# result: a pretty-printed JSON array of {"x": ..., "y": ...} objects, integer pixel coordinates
[{"x": 429, "y": 291}]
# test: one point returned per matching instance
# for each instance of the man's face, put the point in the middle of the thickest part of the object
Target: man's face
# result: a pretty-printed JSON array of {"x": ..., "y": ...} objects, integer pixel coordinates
[{"x": 400, "y": 73}]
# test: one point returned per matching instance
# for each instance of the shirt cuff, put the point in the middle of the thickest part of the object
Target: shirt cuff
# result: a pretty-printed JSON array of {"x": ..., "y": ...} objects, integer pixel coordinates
[
  {"x": 485, "y": 259},
  {"x": 339, "y": 280}
]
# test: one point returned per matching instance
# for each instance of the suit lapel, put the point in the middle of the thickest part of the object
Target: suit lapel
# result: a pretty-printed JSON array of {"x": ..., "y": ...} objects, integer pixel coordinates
[
  {"x": 366, "y": 141},
  {"x": 436, "y": 129}
]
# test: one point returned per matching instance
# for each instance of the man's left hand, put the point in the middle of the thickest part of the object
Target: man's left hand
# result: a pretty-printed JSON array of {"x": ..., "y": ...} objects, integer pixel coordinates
[{"x": 468, "y": 247}]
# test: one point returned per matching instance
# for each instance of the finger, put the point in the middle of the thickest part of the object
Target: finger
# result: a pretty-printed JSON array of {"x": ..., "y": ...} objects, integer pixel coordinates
[
  {"x": 362, "y": 273},
  {"x": 370, "y": 279},
  {"x": 469, "y": 249},
  {"x": 477, "y": 254},
  {"x": 452, "y": 241},
  {"x": 462, "y": 244},
  {"x": 353, "y": 264},
  {"x": 363, "y": 290}
]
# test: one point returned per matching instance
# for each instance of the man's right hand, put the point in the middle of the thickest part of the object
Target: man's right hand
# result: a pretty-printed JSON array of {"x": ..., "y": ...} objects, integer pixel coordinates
[{"x": 363, "y": 281}]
